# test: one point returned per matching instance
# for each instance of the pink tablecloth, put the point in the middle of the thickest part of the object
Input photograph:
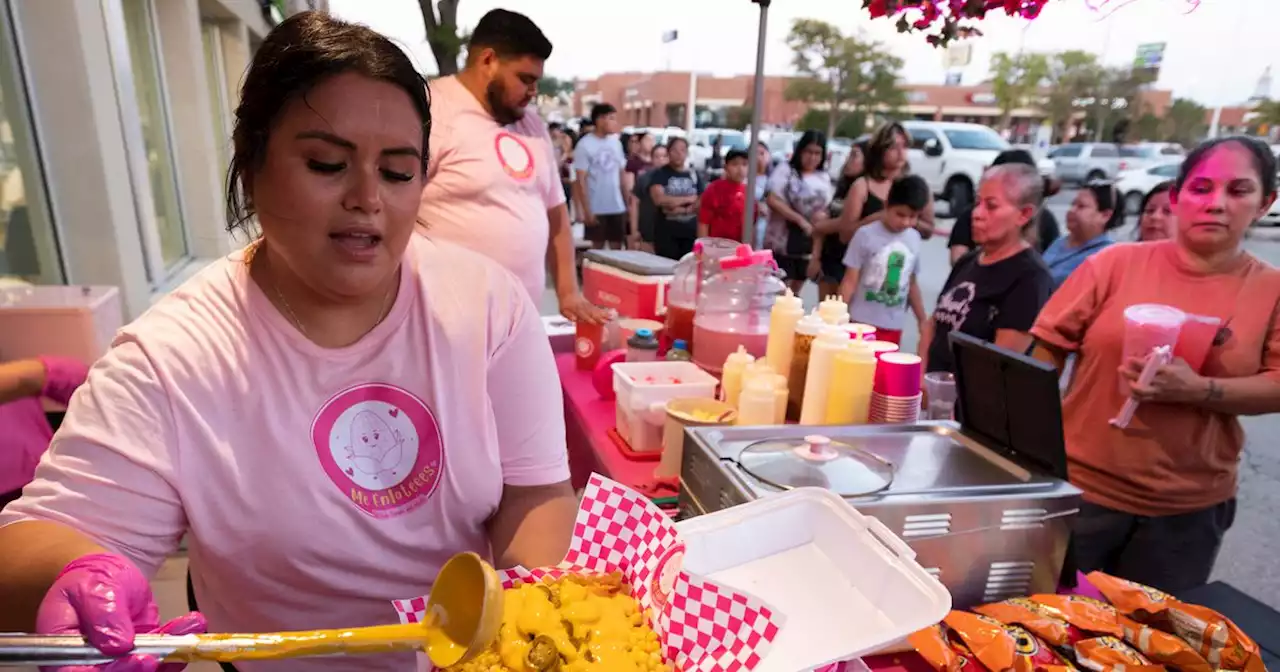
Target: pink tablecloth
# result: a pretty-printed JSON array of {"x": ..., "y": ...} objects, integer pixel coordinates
[{"x": 588, "y": 419}]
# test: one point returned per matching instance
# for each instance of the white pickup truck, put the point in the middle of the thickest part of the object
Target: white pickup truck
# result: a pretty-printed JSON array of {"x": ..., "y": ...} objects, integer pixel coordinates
[{"x": 951, "y": 157}]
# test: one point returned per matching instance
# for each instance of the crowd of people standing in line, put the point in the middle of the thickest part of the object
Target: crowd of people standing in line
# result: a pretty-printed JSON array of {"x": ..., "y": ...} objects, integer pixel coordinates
[{"x": 1159, "y": 494}]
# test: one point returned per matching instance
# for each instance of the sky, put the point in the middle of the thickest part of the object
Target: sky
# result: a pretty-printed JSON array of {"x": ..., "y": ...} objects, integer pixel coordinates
[{"x": 1216, "y": 49}]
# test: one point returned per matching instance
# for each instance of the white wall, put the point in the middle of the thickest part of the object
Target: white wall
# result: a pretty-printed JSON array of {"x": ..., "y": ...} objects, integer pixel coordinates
[
  {"x": 80, "y": 128},
  {"x": 77, "y": 121}
]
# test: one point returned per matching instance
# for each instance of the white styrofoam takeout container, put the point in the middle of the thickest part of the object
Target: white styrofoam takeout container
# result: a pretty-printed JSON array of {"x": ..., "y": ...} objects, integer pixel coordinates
[{"x": 846, "y": 584}]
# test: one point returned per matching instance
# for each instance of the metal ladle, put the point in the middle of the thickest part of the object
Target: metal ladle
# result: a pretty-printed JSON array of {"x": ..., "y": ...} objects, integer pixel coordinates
[{"x": 464, "y": 613}]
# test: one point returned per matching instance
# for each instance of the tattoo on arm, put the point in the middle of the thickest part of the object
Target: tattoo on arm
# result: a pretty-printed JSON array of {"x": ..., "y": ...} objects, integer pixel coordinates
[{"x": 1214, "y": 393}]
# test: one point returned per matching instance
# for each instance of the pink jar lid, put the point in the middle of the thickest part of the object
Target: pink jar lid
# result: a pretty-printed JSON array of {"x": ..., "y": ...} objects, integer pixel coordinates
[{"x": 744, "y": 256}]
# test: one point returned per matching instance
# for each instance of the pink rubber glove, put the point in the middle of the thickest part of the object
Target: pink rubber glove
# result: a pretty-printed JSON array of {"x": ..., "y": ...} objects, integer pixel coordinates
[
  {"x": 105, "y": 599},
  {"x": 62, "y": 375}
]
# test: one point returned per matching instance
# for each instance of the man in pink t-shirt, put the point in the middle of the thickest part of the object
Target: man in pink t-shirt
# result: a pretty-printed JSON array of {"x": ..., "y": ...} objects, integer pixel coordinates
[{"x": 492, "y": 183}]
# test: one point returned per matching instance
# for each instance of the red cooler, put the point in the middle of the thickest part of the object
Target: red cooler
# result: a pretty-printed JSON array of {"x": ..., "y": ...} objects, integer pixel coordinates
[{"x": 631, "y": 282}]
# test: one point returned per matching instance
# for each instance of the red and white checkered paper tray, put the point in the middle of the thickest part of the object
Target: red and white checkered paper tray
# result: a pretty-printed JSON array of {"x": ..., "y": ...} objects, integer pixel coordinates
[{"x": 704, "y": 626}]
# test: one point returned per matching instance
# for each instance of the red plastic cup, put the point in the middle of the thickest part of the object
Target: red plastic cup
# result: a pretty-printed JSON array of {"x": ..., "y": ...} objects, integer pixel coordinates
[
  {"x": 1195, "y": 340},
  {"x": 898, "y": 375},
  {"x": 881, "y": 347},
  {"x": 587, "y": 342}
]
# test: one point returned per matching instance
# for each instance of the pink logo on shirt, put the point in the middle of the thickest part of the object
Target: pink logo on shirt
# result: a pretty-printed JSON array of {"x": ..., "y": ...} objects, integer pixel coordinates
[
  {"x": 514, "y": 156},
  {"x": 381, "y": 446}
]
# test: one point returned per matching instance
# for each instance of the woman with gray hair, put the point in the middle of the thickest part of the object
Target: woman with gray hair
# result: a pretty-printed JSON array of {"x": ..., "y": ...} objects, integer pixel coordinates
[{"x": 996, "y": 290}]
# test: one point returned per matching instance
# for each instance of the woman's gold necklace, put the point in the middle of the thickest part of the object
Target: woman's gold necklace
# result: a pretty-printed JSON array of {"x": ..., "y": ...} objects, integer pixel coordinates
[{"x": 284, "y": 303}]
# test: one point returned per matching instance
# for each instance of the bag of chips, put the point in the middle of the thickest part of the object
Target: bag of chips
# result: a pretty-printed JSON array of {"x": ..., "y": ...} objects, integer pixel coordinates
[
  {"x": 1000, "y": 647},
  {"x": 943, "y": 653},
  {"x": 1099, "y": 618},
  {"x": 1213, "y": 636},
  {"x": 1107, "y": 654},
  {"x": 1044, "y": 621}
]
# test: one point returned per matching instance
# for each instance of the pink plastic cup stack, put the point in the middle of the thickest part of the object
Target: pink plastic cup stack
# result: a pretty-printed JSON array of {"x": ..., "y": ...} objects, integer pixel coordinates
[{"x": 896, "y": 394}]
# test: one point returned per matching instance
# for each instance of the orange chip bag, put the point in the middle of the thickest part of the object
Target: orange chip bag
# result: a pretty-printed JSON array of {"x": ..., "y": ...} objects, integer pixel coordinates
[
  {"x": 942, "y": 652},
  {"x": 1098, "y": 617},
  {"x": 1210, "y": 634},
  {"x": 1085, "y": 613},
  {"x": 1000, "y": 647},
  {"x": 1105, "y": 654},
  {"x": 1043, "y": 621}
]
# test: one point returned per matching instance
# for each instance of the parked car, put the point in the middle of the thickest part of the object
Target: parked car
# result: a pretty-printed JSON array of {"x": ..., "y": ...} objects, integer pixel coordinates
[
  {"x": 1081, "y": 162},
  {"x": 1134, "y": 184},
  {"x": 1144, "y": 154},
  {"x": 838, "y": 150},
  {"x": 703, "y": 139},
  {"x": 781, "y": 144},
  {"x": 951, "y": 157}
]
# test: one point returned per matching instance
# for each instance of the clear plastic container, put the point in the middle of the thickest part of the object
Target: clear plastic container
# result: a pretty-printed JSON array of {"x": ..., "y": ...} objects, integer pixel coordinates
[
  {"x": 734, "y": 308},
  {"x": 686, "y": 282}
]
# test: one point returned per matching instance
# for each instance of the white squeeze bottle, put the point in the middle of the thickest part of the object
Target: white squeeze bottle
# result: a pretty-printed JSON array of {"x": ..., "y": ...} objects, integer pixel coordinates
[
  {"x": 787, "y": 311},
  {"x": 756, "y": 405},
  {"x": 731, "y": 375},
  {"x": 833, "y": 310},
  {"x": 817, "y": 382}
]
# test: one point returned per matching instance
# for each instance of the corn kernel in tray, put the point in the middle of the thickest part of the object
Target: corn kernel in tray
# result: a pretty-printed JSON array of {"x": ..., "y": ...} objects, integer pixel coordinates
[{"x": 572, "y": 624}]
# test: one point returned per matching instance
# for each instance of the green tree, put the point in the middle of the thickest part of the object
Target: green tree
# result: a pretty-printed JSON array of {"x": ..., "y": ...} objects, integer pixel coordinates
[
  {"x": 1016, "y": 80},
  {"x": 1266, "y": 117},
  {"x": 1117, "y": 103},
  {"x": 846, "y": 74},
  {"x": 851, "y": 125},
  {"x": 551, "y": 87},
  {"x": 738, "y": 117},
  {"x": 1147, "y": 127},
  {"x": 443, "y": 36},
  {"x": 1184, "y": 122},
  {"x": 1074, "y": 77}
]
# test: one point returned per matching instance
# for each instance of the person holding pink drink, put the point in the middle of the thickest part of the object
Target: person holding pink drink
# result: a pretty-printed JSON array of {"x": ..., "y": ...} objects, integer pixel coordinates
[
  {"x": 327, "y": 416},
  {"x": 24, "y": 385},
  {"x": 1160, "y": 492}
]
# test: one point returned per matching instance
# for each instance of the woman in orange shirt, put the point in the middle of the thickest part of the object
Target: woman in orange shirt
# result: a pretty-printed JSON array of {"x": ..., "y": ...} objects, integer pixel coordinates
[{"x": 1160, "y": 494}]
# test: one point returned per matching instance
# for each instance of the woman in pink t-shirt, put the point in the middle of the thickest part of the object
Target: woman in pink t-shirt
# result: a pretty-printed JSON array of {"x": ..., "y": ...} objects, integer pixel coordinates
[{"x": 327, "y": 416}]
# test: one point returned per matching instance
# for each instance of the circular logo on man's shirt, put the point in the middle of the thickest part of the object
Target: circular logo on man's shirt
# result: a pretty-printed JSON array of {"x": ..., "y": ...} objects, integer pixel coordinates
[
  {"x": 514, "y": 155},
  {"x": 381, "y": 446}
]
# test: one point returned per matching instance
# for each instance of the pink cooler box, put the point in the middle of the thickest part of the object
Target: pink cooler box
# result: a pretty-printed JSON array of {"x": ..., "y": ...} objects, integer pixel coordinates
[{"x": 631, "y": 282}]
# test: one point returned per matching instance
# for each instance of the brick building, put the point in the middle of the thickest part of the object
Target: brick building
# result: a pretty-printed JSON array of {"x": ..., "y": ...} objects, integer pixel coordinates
[{"x": 658, "y": 99}]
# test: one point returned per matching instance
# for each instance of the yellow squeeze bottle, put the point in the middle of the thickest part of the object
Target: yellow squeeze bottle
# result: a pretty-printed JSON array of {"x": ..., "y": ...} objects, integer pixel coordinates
[
  {"x": 731, "y": 375},
  {"x": 852, "y": 375},
  {"x": 787, "y": 311},
  {"x": 817, "y": 383}
]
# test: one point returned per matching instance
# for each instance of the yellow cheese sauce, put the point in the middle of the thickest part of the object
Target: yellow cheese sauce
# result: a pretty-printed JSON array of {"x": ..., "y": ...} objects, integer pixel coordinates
[{"x": 575, "y": 624}]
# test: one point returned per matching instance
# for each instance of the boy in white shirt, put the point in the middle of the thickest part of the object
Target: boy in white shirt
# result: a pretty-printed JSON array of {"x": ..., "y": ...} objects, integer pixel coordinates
[{"x": 882, "y": 263}]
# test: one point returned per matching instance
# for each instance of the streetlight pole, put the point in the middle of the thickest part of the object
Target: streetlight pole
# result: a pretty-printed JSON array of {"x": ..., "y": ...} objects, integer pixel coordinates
[{"x": 757, "y": 98}]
